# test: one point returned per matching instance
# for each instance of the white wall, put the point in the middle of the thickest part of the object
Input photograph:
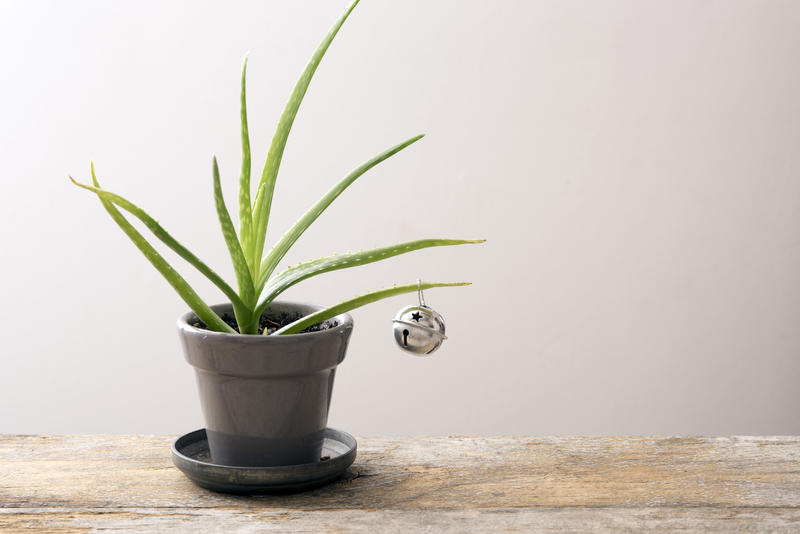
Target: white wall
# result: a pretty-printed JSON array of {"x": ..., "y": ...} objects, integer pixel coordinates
[{"x": 635, "y": 166}]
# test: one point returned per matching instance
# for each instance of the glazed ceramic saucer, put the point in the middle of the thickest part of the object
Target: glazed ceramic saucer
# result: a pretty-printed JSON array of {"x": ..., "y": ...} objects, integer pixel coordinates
[{"x": 191, "y": 455}]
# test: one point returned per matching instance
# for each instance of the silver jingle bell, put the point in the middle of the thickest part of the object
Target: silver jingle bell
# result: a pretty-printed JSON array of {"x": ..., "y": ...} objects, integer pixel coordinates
[{"x": 418, "y": 330}]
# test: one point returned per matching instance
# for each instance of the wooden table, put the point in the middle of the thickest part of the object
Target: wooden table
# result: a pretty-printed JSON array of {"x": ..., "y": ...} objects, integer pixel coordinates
[{"x": 522, "y": 484}]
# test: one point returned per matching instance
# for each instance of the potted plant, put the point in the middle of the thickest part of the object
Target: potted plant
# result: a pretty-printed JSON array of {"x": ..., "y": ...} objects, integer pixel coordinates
[{"x": 265, "y": 368}]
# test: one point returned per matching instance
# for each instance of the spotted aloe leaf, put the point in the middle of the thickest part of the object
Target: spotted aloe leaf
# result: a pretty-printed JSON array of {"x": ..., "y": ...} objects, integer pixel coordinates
[
  {"x": 263, "y": 201},
  {"x": 240, "y": 267},
  {"x": 167, "y": 239},
  {"x": 245, "y": 209},
  {"x": 189, "y": 296},
  {"x": 348, "y": 305},
  {"x": 295, "y": 274},
  {"x": 283, "y": 245}
]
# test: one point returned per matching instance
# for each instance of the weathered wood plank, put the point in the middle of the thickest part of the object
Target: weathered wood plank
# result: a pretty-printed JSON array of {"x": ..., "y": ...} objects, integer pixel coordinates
[
  {"x": 577, "y": 520},
  {"x": 75, "y": 483}
]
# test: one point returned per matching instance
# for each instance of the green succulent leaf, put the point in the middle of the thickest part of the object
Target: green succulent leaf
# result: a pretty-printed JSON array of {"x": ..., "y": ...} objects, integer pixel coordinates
[
  {"x": 203, "y": 311},
  {"x": 295, "y": 274},
  {"x": 266, "y": 186},
  {"x": 285, "y": 243},
  {"x": 245, "y": 213},
  {"x": 234, "y": 248},
  {"x": 327, "y": 313},
  {"x": 167, "y": 239}
]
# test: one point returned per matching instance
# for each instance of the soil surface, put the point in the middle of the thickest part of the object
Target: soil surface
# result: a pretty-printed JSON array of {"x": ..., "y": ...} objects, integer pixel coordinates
[{"x": 272, "y": 322}]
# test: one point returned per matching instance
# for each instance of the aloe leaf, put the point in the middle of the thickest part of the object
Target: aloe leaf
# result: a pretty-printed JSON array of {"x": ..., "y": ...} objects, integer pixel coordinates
[
  {"x": 266, "y": 186},
  {"x": 327, "y": 313},
  {"x": 245, "y": 213},
  {"x": 234, "y": 248},
  {"x": 284, "y": 244},
  {"x": 167, "y": 239},
  {"x": 295, "y": 274},
  {"x": 189, "y": 296}
]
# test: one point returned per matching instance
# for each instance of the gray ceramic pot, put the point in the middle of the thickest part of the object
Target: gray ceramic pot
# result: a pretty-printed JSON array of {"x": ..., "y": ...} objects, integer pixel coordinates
[{"x": 265, "y": 399}]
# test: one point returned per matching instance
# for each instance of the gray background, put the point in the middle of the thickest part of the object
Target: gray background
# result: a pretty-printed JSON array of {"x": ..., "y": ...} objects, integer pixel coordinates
[{"x": 634, "y": 166}]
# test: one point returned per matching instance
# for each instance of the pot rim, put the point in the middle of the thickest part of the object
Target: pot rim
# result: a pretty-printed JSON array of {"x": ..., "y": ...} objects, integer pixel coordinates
[{"x": 345, "y": 321}]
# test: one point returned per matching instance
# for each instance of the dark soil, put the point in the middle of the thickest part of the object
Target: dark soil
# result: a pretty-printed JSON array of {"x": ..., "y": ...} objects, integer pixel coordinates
[{"x": 272, "y": 322}]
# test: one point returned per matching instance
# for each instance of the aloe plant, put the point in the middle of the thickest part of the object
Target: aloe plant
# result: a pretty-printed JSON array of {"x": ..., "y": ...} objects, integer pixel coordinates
[{"x": 256, "y": 281}]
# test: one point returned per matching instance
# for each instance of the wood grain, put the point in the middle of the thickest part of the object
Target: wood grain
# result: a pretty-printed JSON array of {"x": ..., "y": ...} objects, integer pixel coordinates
[{"x": 91, "y": 483}]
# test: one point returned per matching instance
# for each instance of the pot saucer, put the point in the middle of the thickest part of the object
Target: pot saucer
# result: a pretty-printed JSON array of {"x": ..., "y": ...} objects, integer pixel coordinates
[{"x": 191, "y": 455}]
